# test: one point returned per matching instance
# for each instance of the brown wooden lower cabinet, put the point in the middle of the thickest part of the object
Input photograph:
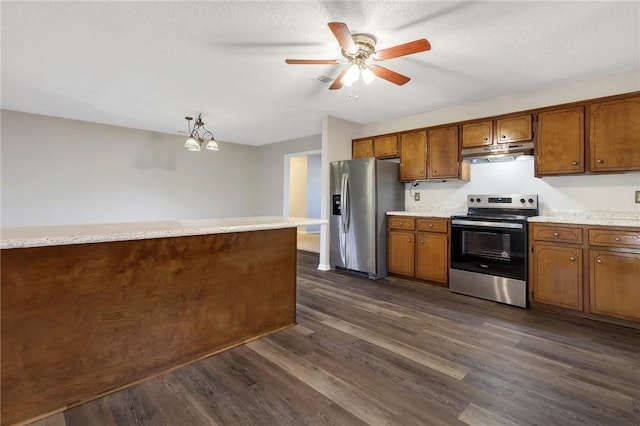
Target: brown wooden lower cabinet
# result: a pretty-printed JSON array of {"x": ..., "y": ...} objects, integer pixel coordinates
[
  {"x": 419, "y": 248},
  {"x": 614, "y": 280},
  {"x": 83, "y": 320},
  {"x": 557, "y": 275},
  {"x": 597, "y": 275}
]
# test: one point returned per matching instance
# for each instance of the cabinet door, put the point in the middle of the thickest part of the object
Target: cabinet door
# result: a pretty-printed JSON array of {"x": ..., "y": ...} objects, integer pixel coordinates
[
  {"x": 560, "y": 145},
  {"x": 614, "y": 135},
  {"x": 514, "y": 129},
  {"x": 557, "y": 276},
  {"x": 385, "y": 147},
  {"x": 362, "y": 148},
  {"x": 432, "y": 251},
  {"x": 413, "y": 156},
  {"x": 477, "y": 134},
  {"x": 401, "y": 253},
  {"x": 614, "y": 284},
  {"x": 442, "y": 153}
]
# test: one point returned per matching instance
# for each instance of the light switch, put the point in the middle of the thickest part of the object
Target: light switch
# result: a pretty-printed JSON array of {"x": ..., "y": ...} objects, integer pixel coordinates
[{"x": 637, "y": 196}]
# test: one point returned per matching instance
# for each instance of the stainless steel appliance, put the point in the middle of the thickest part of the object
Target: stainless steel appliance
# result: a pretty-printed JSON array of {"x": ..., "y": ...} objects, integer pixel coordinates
[
  {"x": 489, "y": 248},
  {"x": 362, "y": 191},
  {"x": 497, "y": 152}
]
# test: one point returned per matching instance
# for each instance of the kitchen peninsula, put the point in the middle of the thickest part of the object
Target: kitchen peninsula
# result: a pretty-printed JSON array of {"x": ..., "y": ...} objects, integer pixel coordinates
[{"x": 90, "y": 309}]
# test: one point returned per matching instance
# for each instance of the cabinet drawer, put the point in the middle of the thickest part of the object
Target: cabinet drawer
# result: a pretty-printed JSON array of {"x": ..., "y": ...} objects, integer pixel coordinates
[
  {"x": 611, "y": 237},
  {"x": 563, "y": 234},
  {"x": 401, "y": 223},
  {"x": 432, "y": 225}
]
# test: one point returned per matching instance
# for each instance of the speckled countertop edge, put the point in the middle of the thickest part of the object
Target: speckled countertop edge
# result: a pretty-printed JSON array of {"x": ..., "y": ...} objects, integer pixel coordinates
[
  {"x": 42, "y": 236},
  {"x": 575, "y": 217}
]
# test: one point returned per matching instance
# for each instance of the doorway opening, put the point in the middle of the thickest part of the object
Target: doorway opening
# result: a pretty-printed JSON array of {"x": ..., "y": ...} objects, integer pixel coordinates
[{"x": 302, "y": 190}]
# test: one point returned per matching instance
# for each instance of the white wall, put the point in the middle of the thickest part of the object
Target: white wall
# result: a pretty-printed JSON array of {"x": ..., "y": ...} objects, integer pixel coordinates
[
  {"x": 610, "y": 192},
  {"x": 314, "y": 190},
  {"x": 270, "y": 171},
  {"x": 336, "y": 145},
  {"x": 57, "y": 171},
  {"x": 298, "y": 186}
]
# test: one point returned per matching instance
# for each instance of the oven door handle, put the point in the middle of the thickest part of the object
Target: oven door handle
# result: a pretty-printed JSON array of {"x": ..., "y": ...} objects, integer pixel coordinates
[{"x": 486, "y": 224}]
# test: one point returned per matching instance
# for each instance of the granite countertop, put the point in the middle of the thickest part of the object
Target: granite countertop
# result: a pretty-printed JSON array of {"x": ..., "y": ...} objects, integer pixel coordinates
[
  {"x": 575, "y": 217},
  {"x": 441, "y": 212},
  {"x": 41, "y": 236}
]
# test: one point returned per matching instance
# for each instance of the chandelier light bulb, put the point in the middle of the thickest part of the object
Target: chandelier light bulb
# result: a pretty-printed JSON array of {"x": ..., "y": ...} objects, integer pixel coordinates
[{"x": 212, "y": 145}]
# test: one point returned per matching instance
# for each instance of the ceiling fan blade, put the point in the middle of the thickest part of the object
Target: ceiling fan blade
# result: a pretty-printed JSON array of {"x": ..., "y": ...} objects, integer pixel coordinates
[
  {"x": 387, "y": 74},
  {"x": 410, "y": 48},
  {"x": 343, "y": 35},
  {"x": 312, "y": 61},
  {"x": 337, "y": 83}
]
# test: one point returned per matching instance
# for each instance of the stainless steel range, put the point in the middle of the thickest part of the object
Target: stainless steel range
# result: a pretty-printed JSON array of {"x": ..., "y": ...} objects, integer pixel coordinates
[{"x": 489, "y": 248}]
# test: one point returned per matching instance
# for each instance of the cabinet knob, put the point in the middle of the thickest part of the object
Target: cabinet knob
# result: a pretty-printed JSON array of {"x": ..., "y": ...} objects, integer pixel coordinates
[
  {"x": 616, "y": 239},
  {"x": 421, "y": 241},
  {"x": 572, "y": 258},
  {"x": 409, "y": 240},
  {"x": 421, "y": 171},
  {"x": 431, "y": 225},
  {"x": 503, "y": 136},
  {"x": 433, "y": 171},
  {"x": 399, "y": 223},
  {"x": 486, "y": 139},
  {"x": 575, "y": 163},
  {"x": 556, "y": 234},
  {"x": 598, "y": 260},
  {"x": 599, "y": 161}
]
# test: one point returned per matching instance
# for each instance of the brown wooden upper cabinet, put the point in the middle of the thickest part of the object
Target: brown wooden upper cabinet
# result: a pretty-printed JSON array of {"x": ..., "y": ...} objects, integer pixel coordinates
[
  {"x": 517, "y": 128},
  {"x": 361, "y": 148},
  {"x": 477, "y": 134},
  {"x": 614, "y": 135},
  {"x": 560, "y": 144},
  {"x": 413, "y": 156},
  {"x": 378, "y": 147},
  {"x": 443, "y": 153}
]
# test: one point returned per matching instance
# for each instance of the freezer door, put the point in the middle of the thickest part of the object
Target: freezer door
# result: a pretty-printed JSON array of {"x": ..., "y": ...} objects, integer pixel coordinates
[{"x": 353, "y": 215}]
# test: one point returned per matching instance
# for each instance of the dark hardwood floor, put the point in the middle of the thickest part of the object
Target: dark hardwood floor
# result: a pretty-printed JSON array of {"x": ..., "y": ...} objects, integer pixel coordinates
[{"x": 395, "y": 352}]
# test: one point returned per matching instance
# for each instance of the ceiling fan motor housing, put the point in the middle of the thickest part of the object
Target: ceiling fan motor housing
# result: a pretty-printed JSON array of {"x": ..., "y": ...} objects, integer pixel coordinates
[{"x": 366, "y": 44}]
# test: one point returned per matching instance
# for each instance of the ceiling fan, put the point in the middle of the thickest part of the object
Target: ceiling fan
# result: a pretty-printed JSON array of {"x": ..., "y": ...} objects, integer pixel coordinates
[{"x": 360, "y": 51}]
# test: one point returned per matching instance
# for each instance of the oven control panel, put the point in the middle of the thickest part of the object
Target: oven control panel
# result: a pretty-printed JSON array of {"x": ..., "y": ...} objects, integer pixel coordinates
[{"x": 504, "y": 201}]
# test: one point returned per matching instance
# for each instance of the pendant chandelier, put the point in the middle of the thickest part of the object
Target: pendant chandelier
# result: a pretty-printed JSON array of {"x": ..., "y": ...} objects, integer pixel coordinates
[{"x": 196, "y": 139}]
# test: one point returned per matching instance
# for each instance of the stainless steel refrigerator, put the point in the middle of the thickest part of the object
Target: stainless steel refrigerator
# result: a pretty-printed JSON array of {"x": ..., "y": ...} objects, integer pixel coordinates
[{"x": 362, "y": 191}]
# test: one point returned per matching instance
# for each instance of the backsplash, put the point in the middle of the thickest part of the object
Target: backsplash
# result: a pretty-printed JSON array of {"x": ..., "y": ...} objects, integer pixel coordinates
[{"x": 580, "y": 193}]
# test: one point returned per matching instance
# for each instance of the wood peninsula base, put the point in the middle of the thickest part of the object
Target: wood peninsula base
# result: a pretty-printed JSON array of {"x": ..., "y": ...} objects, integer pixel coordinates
[{"x": 83, "y": 320}]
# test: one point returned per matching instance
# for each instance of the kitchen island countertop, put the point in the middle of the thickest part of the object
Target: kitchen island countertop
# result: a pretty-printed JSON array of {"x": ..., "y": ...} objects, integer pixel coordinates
[{"x": 42, "y": 236}]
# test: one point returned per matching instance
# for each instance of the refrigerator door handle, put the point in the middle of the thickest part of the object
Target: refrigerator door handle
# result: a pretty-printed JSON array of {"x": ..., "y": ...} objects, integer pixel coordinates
[{"x": 346, "y": 213}]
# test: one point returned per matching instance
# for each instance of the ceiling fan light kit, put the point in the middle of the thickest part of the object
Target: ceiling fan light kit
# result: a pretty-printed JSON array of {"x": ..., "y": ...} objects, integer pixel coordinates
[
  {"x": 196, "y": 140},
  {"x": 359, "y": 50}
]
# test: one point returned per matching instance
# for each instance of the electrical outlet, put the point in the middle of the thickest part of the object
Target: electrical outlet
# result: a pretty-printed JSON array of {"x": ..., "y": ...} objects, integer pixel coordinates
[
  {"x": 637, "y": 196},
  {"x": 416, "y": 196}
]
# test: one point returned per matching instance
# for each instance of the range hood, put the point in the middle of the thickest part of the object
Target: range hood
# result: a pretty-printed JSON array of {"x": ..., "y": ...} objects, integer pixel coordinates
[{"x": 498, "y": 153}]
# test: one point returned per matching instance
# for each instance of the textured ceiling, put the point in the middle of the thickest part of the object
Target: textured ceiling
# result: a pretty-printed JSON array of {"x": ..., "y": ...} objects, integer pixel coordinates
[{"x": 146, "y": 65}]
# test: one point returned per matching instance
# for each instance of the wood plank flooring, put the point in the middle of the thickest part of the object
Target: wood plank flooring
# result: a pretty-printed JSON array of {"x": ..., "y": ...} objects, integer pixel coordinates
[{"x": 395, "y": 352}]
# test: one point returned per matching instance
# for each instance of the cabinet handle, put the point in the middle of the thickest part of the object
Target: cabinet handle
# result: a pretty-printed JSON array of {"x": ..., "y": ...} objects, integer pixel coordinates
[
  {"x": 599, "y": 161},
  {"x": 575, "y": 163},
  {"x": 486, "y": 139},
  {"x": 598, "y": 260},
  {"x": 421, "y": 241},
  {"x": 572, "y": 258},
  {"x": 616, "y": 239},
  {"x": 556, "y": 234}
]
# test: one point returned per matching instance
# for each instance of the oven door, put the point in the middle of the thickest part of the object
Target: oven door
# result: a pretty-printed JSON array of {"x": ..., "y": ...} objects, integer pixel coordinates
[{"x": 489, "y": 246}]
